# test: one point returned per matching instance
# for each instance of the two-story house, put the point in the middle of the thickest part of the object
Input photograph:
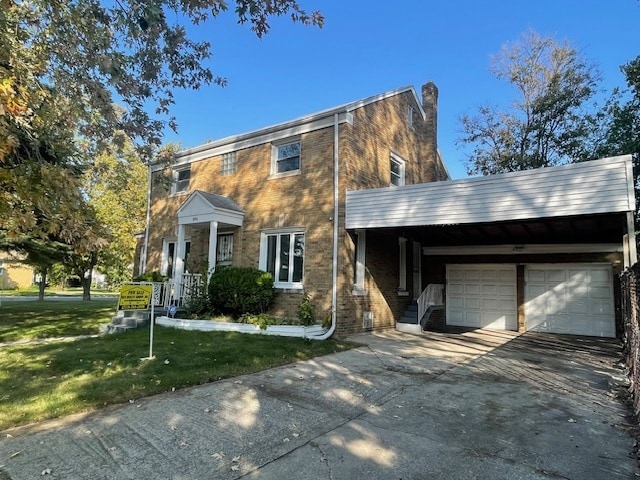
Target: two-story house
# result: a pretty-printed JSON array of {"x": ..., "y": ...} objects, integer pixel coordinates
[
  {"x": 354, "y": 207},
  {"x": 275, "y": 199}
]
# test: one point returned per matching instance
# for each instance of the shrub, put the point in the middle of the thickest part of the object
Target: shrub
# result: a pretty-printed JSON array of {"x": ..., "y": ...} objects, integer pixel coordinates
[
  {"x": 154, "y": 276},
  {"x": 236, "y": 291},
  {"x": 305, "y": 311}
]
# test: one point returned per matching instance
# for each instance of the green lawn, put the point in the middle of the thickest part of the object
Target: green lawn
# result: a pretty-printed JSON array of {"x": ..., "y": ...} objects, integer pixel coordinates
[
  {"x": 25, "y": 320},
  {"x": 47, "y": 380}
]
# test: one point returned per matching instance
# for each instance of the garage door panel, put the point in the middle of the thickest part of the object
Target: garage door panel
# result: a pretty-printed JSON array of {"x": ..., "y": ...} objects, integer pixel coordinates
[
  {"x": 472, "y": 289},
  {"x": 488, "y": 296},
  {"x": 574, "y": 299},
  {"x": 473, "y": 303}
]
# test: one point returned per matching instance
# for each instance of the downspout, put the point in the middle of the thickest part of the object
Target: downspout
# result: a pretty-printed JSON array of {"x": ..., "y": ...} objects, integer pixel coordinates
[
  {"x": 146, "y": 228},
  {"x": 336, "y": 198}
]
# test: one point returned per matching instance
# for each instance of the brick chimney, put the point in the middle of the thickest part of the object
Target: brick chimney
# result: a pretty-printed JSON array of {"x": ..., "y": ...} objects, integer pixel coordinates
[
  {"x": 430, "y": 106},
  {"x": 431, "y": 164}
]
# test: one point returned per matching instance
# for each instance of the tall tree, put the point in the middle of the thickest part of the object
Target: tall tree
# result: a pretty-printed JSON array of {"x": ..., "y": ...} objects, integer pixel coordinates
[
  {"x": 116, "y": 187},
  {"x": 622, "y": 115},
  {"x": 65, "y": 64},
  {"x": 546, "y": 123}
]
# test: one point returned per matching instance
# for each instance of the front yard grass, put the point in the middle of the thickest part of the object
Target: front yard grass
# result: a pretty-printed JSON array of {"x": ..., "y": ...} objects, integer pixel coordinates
[
  {"x": 41, "y": 381},
  {"x": 26, "y": 320}
]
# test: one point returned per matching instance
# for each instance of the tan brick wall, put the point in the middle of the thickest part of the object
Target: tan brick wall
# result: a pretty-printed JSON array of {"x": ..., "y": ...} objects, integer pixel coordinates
[
  {"x": 379, "y": 129},
  {"x": 306, "y": 200}
]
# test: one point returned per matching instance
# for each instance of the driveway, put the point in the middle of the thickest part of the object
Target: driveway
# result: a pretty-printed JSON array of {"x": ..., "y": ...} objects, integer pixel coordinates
[{"x": 474, "y": 405}]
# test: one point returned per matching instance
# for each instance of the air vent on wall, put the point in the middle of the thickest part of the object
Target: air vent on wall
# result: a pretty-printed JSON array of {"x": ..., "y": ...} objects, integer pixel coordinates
[{"x": 367, "y": 320}]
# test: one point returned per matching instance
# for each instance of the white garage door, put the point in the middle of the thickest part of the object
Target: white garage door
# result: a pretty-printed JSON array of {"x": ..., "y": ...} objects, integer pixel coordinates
[
  {"x": 575, "y": 299},
  {"x": 482, "y": 296}
]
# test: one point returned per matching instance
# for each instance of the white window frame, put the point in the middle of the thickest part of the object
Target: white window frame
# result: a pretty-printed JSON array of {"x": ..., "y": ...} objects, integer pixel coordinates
[
  {"x": 402, "y": 267},
  {"x": 398, "y": 160},
  {"x": 264, "y": 243},
  {"x": 175, "y": 183},
  {"x": 275, "y": 149},
  {"x": 224, "y": 249},
  {"x": 228, "y": 164},
  {"x": 360, "y": 262},
  {"x": 164, "y": 264}
]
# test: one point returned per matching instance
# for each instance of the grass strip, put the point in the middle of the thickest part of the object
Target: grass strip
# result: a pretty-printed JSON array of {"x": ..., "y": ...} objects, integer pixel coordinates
[
  {"x": 49, "y": 380},
  {"x": 31, "y": 319}
]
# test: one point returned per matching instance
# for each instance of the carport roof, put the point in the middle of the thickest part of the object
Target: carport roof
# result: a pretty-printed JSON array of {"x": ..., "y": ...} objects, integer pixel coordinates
[{"x": 588, "y": 191}]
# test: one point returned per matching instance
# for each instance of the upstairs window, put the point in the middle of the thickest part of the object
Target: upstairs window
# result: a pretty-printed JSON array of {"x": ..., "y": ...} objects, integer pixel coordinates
[
  {"x": 282, "y": 255},
  {"x": 181, "y": 179},
  {"x": 410, "y": 113},
  {"x": 286, "y": 158},
  {"x": 228, "y": 165},
  {"x": 397, "y": 170}
]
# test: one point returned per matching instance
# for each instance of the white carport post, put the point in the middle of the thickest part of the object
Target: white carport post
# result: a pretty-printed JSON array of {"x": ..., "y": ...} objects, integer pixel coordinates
[
  {"x": 630, "y": 251},
  {"x": 178, "y": 263},
  {"x": 213, "y": 246}
]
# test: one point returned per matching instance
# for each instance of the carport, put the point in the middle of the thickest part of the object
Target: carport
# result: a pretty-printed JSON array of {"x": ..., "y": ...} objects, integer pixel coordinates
[{"x": 535, "y": 250}]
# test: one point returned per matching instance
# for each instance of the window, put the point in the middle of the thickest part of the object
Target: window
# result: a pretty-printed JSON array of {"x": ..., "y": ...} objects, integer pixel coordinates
[
  {"x": 169, "y": 251},
  {"x": 359, "y": 264},
  {"x": 397, "y": 170},
  {"x": 228, "y": 165},
  {"x": 181, "y": 180},
  {"x": 410, "y": 113},
  {"x": 286, "y": 158},
  {"x": 402, "y": 267},
  {"x": 282, "y": 255},
  {"x": 224, "y": 249}
]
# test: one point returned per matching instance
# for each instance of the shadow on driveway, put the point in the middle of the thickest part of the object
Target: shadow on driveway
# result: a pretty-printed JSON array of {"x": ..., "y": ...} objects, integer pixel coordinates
[{"x": 471, "y": 405}]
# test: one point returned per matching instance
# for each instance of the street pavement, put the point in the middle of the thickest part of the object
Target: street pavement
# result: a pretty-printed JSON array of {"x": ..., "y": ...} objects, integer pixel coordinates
[{"x": 472, "y": 405}]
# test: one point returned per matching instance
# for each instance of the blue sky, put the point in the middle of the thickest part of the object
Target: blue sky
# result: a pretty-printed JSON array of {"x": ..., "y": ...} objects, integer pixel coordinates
[{"x": 368, "y": 47}]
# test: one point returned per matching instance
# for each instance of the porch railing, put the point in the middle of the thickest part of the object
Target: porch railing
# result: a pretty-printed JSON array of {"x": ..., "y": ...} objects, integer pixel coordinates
[
  {"x": 432, "y": 295},
  {"x": 178, "y": 291}
]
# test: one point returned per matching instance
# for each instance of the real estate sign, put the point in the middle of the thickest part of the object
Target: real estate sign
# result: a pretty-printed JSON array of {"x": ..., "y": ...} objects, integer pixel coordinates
[{"x": 135, "y": 297}]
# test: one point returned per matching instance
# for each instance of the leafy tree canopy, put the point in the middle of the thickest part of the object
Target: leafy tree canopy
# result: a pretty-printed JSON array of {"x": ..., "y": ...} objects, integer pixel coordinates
[
  {"x": 64, "y": 67},
  {"x": 546, "y": 123}
]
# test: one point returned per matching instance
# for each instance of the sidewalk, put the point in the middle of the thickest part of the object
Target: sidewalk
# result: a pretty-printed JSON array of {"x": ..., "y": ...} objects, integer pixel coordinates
[{"x": 480, "y": 405}]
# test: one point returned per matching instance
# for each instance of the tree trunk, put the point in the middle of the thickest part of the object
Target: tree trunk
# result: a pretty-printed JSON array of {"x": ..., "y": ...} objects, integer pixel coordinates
[
  {"x": 85, "y": 281},
  {"x": 43, "y": 283}
]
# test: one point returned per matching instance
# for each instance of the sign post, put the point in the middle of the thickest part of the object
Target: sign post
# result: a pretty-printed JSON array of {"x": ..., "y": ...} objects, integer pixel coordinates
[{"x": 138, "y": 296}]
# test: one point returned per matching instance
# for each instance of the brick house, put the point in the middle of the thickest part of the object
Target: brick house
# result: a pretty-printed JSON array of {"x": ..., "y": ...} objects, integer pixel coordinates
[{"x": 275, "y": 199}]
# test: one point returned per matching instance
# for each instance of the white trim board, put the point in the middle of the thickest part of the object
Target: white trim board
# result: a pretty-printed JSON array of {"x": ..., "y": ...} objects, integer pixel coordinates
[{"x": 524, "y": 249}]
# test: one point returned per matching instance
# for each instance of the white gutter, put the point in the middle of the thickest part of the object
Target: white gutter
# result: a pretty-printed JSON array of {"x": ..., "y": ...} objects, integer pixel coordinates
[
  {"x": 334, "y": 280},
  {"x": 146, "y": 227}
]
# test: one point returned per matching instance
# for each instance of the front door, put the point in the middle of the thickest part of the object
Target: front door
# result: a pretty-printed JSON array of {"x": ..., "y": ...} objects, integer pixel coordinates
[{"x": 417, "y": 270}]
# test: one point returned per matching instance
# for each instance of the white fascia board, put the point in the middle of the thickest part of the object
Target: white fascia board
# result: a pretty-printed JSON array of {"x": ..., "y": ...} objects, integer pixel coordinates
[
  {"x": 524, "y": 249},
  {"x": 259, "y": 137},
  {"x": 220, "y": 215},
  {"x": 630, "y": 182},
  {"x": 309, "y": 123}
]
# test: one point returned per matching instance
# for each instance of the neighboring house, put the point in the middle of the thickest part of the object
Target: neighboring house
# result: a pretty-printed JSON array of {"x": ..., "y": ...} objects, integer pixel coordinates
[
  {"x": 14, "y": 274},
  {"x": 275, "y": 199},
  {"x": 354, "y": 207}
]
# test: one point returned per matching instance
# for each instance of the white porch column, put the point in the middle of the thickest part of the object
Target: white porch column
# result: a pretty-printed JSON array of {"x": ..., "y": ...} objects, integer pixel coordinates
[
  {"x": 178, "y": 262},
  {"x": 213, "y": 246},
  {"x": 630, "y": 254}
]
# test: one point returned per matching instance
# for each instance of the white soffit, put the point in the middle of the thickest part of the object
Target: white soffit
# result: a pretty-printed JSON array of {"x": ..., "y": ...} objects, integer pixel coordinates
[{"x": 587, "y": 188}]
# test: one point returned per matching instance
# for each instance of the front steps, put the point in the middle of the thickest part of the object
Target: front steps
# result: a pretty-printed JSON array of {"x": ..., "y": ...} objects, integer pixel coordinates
[{"x": 433, "y": 319}]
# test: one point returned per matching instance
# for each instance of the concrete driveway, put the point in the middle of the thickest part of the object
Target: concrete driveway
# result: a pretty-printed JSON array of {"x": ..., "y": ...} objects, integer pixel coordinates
[{"x": 475, "y": 405}]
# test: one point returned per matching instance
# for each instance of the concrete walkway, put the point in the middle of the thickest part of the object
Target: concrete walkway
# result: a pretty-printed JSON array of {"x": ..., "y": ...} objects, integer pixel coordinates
[{"x": 477, "y": 405}]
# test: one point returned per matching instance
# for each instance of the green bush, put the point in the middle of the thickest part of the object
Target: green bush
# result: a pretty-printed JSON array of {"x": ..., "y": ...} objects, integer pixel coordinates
[
  {"x": 236, "y": 291},
  {"x": 305, "y": 311},
  {"x": 154, "y": 276}
]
